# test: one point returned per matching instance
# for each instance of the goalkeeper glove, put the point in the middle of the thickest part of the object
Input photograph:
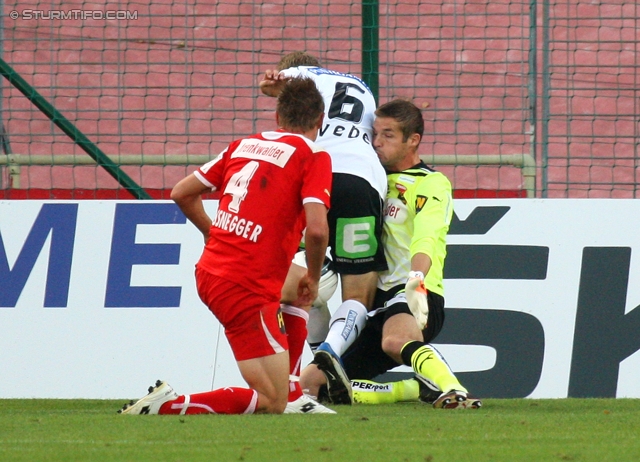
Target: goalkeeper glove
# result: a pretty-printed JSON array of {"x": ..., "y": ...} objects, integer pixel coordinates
[{"x": 417, "y": 298}]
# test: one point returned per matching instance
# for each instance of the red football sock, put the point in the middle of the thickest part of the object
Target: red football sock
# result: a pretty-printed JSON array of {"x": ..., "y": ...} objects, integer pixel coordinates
[
  {"x": 230, "y": 400},
  {"x": 295, "y": 322},
  {"x": 295, "y": 391}
]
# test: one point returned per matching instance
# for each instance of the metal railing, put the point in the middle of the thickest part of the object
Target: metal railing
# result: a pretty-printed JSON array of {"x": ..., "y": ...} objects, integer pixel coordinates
[{"x": 13, "y": 162}]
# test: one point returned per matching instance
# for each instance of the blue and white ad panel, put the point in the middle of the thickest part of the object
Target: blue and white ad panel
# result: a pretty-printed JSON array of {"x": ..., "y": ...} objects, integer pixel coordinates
[{"x": 98, "y": 300}]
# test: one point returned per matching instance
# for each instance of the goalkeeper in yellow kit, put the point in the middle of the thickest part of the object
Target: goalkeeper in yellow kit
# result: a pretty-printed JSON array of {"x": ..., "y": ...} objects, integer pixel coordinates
[{"x": 410, "y": 295}]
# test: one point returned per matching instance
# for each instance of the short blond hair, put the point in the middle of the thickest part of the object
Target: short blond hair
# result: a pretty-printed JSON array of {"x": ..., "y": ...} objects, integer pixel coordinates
[{"x": 297, "y": 58}]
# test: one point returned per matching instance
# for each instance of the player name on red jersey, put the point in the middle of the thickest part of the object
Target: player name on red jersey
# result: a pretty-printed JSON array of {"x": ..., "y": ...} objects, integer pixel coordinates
[{"x": 231, "y": 223}]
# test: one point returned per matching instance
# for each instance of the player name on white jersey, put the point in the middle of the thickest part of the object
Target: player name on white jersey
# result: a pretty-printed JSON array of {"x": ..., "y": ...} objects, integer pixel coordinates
[
  {"x": 230, "y": 222},
  {"x": 268, "y": 151},
  {"x": 351, "y": 131}
]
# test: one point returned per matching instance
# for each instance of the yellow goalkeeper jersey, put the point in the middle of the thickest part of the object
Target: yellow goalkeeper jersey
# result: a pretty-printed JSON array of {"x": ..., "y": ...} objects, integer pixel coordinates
[{"x": 417, "y": 215}]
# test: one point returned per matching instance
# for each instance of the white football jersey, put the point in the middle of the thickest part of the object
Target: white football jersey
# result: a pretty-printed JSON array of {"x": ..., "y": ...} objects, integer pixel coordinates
[{"x": 346, "y": 132}]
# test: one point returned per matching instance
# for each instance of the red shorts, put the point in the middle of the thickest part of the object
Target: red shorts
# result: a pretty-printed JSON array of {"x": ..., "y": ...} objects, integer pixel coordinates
[{"x": 252, "y": 323}]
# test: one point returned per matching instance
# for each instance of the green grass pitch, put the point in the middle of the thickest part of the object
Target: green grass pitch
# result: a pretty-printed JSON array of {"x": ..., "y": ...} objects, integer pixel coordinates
[{"x": 503, "y": 430}]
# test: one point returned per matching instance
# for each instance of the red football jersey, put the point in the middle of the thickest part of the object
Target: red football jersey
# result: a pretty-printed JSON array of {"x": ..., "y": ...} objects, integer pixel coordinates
[{"x": 264, "y": 181}]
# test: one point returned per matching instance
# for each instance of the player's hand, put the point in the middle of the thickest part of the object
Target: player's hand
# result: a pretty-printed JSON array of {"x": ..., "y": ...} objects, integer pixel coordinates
[
  {"x": 307, "y": 292},
  {"x": 417, "y": 298},
  {"x": 272, "y": 82}
]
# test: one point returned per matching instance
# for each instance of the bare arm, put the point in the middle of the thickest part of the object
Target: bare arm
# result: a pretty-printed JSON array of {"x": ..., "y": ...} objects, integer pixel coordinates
[
  {"x": 421, "y": 262},
  {"x": 316, "y": 238},
  {"x": 187, "y": 194},
  {"x": 272, "y": 83}
]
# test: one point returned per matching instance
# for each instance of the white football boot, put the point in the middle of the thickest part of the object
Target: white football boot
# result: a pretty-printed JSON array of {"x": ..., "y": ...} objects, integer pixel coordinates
[
  {"x": 306, "y": 405},
  {"x": 151, "y": 403}
]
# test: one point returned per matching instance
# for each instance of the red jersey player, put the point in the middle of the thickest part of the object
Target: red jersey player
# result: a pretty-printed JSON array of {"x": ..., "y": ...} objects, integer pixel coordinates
[{"x": 273, "y": 185}]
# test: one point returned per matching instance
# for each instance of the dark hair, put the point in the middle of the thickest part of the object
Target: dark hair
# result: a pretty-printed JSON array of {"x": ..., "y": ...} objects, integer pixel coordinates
[
  {"x": 297, "y": 58},
  {"x": 300, "y": 104},
  {"x": 406, "y": 113}
]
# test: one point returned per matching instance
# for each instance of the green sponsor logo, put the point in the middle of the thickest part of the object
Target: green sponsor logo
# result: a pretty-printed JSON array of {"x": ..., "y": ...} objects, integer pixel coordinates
[{"x": 355, "y": 238}]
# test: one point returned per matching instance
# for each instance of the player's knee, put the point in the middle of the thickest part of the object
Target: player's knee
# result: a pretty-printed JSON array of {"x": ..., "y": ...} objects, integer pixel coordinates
[
  {"x": 392, "y": 346},
  {"x": 267, "y": 405}
]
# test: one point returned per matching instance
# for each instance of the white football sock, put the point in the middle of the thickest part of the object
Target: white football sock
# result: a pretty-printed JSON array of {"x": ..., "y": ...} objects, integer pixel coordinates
[{"x": 345, "y": 326}]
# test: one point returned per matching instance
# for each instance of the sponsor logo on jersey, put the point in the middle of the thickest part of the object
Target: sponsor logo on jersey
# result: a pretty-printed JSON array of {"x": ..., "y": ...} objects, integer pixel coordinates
[
  {"x": 395, "y": 210},
  {"x": 391, "y": 210},
  {"x": 420, "y": 201},
  {"x": 407, "y": 179},
  {"x": 268, "y": 151},
  {"x": 401, "y": 190}
]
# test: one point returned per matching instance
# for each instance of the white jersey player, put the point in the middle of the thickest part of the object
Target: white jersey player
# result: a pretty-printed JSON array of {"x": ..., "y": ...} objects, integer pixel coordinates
[
  {"x": 357, "y": 200},
  {"x": 346, "y": 132}
]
